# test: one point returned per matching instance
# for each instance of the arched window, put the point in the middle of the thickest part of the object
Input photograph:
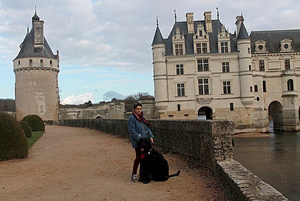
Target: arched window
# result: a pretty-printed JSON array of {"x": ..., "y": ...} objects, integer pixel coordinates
[{"x": 290, "y": 85}]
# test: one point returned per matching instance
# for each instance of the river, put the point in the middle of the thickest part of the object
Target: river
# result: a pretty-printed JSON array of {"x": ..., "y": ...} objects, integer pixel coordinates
[{"x": 275, "y": 158}]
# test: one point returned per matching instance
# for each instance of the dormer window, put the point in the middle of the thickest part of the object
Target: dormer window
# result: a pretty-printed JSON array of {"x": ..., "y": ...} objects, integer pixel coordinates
[
  {"x": 201, "y": 40},
  {"x": 224, "y": 41},
  {"x": 178, "y": 43},
  {"x": 286, "y": 45},
  {"x": 178, "y": 49},
  {"x": 260, "y": 47}
]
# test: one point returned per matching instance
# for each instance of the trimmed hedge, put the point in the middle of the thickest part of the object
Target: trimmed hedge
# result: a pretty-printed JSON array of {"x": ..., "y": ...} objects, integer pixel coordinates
[
  {"x": 36, "y": 123},
  {"x": 27, "y": 129},
  {"x": 13, "y": 142}
]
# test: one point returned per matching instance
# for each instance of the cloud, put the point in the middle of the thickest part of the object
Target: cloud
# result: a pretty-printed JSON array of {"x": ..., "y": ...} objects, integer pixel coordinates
[
  {"x": 80, "y": 99},
  {"x": 112, "y": 94}
]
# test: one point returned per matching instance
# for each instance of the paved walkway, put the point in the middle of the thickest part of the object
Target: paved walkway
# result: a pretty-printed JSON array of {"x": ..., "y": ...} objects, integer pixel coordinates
[{"x": 69, "y": 163}]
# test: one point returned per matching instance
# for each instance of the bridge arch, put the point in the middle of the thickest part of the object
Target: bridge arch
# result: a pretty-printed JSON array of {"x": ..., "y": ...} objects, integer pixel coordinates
[
  {"x": 205, "y": 113},
  {"x": 99, "y": 116},
  {"x": 275, "y": 115}
]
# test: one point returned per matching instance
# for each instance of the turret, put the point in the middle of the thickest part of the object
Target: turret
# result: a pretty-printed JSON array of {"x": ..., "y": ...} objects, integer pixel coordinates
[
  {"x": 246, "y": 77},
  {"x": 36, "y": 71},
  {"x": 159, "y": 72}
]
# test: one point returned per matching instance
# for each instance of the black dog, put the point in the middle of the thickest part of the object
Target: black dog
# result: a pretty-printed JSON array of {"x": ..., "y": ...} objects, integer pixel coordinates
[{"x": 153, "y": 164}]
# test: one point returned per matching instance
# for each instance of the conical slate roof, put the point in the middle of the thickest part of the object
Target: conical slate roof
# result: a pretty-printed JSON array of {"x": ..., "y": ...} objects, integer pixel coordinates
[
  {"x": 158, "y": 39},
  {"x": 27, "y": 48},
  {"x": 243, "y": 34}
]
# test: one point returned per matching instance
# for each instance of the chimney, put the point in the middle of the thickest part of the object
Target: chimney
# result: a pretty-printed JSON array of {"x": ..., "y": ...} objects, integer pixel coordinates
[
  {"x": 190, "y": 22},
  {"x": 208, "y": 23},
  {"x": 238, "y": 23}
]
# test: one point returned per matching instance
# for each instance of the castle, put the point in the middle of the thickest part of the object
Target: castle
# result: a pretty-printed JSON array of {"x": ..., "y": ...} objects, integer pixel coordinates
[
  {"x": 36, "y": 71},
  {"x": 202, "y": 70}
]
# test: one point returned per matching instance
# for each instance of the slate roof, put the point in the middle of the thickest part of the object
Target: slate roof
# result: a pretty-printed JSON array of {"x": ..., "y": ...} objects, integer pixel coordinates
[
  {"x": 274, "y": 37},
  {"x": 243, "y": 34},
  {"x": 213, "y": 37},
  {"x": 158, "y": 39},
  {"x": 27, "y": 48}
]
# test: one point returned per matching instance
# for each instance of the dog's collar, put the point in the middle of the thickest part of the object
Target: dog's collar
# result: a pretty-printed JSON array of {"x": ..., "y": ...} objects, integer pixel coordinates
[{"x": 149, "y": 152}]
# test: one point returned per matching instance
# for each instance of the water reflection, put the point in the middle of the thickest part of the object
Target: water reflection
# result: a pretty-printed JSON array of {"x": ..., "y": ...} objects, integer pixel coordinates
[{"x": 275, "y": 158}]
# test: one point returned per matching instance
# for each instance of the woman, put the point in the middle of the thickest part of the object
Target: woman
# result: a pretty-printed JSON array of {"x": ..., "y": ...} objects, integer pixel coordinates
[{"x": 138, "y": 128}]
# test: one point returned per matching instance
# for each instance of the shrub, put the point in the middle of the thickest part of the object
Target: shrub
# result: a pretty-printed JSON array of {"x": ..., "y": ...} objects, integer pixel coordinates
[
  {"x": 13, "y": 142},
  {"x": 36, "y": 123},
  {"x": 27, "y": 129}
]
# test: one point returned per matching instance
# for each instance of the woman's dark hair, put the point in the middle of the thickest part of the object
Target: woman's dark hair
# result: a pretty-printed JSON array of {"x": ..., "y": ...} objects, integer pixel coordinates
[{"x": 136, "y": 104}]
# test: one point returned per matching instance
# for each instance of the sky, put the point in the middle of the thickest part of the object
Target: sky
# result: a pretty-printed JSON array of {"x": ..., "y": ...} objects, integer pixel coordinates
[{"x": 105, "y": 45}]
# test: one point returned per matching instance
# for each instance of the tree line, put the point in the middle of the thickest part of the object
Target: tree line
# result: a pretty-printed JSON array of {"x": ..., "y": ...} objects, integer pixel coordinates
[{"x": 7, "y": 105}]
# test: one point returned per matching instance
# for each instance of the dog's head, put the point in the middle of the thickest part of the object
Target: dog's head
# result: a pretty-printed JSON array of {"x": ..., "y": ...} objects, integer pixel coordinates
[{"x": 145, "y": 144}]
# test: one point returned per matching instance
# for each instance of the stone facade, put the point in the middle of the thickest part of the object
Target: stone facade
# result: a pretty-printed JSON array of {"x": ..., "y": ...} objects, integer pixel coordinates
[
  {"x": 203, "y": 71},
  {"x": 36, "y": 71}
]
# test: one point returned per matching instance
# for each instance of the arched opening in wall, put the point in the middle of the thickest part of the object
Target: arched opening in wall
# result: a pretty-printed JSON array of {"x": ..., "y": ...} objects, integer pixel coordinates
[
  {"x": 290, "y": 85},
  {"x": 275, "y": 116},
  {"x": 98, "y": 116},
  {"x": 205, "y": 113}
]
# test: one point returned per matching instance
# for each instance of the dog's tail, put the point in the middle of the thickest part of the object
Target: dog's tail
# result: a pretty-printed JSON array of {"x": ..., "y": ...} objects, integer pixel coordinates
[{"x": 176, "y": 174}]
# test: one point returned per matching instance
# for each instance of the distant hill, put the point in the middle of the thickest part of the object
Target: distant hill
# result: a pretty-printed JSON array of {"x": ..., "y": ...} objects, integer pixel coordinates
[{"x": 7, "y": 105}]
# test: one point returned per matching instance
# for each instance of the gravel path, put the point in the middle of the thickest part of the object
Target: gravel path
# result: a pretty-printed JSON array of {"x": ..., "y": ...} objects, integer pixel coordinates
[{"x": 69, "y": 163}]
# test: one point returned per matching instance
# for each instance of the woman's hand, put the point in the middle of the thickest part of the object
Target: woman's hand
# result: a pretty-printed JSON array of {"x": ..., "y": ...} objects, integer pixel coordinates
[{"x": 151, "y": 140}]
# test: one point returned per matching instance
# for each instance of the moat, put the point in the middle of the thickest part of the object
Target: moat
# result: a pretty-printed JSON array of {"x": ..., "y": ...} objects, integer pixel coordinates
[{"x": 273, "y": 157}]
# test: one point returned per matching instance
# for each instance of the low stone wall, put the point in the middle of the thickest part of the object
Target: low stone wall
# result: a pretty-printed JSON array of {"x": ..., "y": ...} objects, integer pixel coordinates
[{"x": 205, "y": 143}]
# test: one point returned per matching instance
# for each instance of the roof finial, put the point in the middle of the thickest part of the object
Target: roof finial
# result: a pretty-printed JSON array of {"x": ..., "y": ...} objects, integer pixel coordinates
[
  {"x": 35, "y": 9},
  {"x": 175, "y": 16},
  {"x": 156, "y": 21},
  {"x": 218, "y": 13}
]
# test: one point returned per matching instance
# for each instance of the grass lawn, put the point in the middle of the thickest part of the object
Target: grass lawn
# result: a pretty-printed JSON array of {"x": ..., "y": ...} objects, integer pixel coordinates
[{"x": 35, "y": 136}]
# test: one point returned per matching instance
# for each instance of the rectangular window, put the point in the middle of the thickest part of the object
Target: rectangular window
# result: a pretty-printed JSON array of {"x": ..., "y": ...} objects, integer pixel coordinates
[
  {"x": 178, "y": 107},
  {"x": 201, "y": 48},
  {"x": 226, "y": 87},
  {"x": 30, "y": 62},
  {"x": 255, "y": 88},
  {"x": 231, "y": 106},
  {"x": 198, "y": 48},
  {"x": 179, "y": 69},
  {"x": 203, "y": 86},
  {"x": 180, "y": 90},
  {"x": 261, "y": 64},
  {"x": 264, "y": 86},
  {"x": 50, "y": 62},
  {"x": 178, "y": 49},
  {"x": 224, "y": 47},
  {"x": 204, "y": 47},
  {"x": 200, "y": 33},
  {"x": 202, "y": 65},
  {"x": 250, "y": 68},
  {"x": 19, "y": 62},
  {"x": 225, "y": 67},
  {"x": 287, "y": 64}
]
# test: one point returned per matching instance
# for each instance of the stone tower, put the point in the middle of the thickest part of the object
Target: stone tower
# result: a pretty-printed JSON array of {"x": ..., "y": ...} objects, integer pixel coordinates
[
  {"x": 159, "y": 72},
  {"x": 244, "y": 54},
  {"x": 36, "y": 71}
]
